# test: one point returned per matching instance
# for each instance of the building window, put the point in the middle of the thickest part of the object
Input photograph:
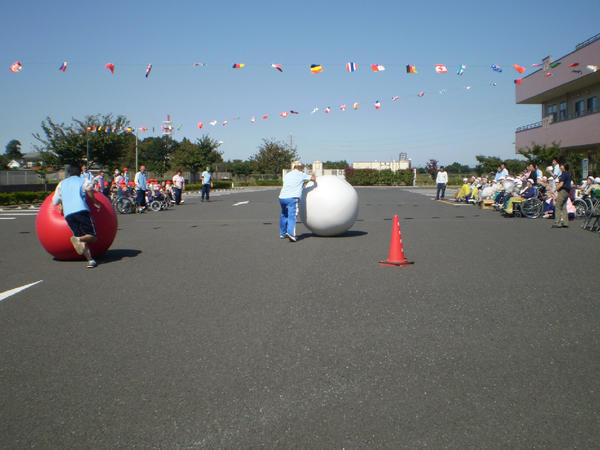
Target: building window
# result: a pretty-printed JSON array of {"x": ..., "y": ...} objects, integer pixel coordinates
[
  {"x": 592, "y": 104},
  {"x": 551, "y": 111},
  {"x": 562, "y": 112},
  {"x": 579, "y": 108}
]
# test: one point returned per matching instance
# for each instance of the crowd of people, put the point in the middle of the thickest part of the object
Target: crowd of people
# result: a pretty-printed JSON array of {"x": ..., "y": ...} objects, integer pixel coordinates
[
  {"x": 144, "y": 190},
  {"x": 554, "y": 188}
]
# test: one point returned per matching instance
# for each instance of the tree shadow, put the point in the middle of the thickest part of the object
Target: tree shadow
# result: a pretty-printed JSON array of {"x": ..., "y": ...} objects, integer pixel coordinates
[
  {"x": 347, "y": 234},
  {"x": 118, "y": 254}
]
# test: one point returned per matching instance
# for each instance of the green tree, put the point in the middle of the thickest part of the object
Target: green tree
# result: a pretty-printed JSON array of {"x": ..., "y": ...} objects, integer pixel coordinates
[
  {"x": 3, "y": 162},
  {"x": 239, "y": 167},
  {"x": 105, "y": 135},
  {"x": 457, "y": 168},
  {"x": 196, "y": 156},
  {"x": 336, "y": 164},
  {"x": 273, "y": 156},
  {"x": 154, "y": 153},
  {"x": 488, "y": 165},
  {"x": 13, "y": 150}
]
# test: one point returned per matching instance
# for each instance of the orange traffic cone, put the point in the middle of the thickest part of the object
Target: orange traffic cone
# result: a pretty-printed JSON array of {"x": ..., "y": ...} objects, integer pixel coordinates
[{"x": 396, "y": 257}]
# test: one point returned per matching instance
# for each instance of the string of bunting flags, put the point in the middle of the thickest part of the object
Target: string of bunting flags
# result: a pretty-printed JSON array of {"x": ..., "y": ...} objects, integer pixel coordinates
[{"x": 351, "y": 66}]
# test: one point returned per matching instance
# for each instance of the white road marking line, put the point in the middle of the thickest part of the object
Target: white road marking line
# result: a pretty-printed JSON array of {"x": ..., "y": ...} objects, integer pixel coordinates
[
  {"x": 241, "y": 203},
  {"x": 18, "y": 214},
  {"x": 7, "y": 218},
  {"x": 4, "y": 295}
]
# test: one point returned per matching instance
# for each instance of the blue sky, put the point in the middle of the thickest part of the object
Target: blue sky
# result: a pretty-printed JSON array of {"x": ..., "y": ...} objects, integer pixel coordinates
[{"x": 454, "y": 125}]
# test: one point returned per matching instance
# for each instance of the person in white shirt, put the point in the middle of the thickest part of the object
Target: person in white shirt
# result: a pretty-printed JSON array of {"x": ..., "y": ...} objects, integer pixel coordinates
[
  {"x": 441, "y": 180},
  {"x": 178, "y": 186}
]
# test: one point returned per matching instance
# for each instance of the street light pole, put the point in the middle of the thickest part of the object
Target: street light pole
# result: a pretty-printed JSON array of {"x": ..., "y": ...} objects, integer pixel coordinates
[{"x": 136, "y": 149}]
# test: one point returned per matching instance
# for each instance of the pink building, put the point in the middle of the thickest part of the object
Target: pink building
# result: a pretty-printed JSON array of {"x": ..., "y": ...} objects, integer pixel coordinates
[{"x": 568, "y": 91}]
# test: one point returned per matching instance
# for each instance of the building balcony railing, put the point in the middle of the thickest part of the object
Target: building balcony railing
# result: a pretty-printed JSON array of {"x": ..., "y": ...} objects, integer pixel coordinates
[
  {"x": 573, "y": 132},
  {"x": 554, "y": 119}
]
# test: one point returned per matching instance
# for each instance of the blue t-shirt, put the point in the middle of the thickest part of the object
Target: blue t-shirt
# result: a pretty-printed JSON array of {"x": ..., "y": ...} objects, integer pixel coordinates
[
  {"x": 206, "y": 176},
  {"x": 140, "y": 181},
  {"x": 292, "y": 184},
  {"x": 71, "y": 192}
]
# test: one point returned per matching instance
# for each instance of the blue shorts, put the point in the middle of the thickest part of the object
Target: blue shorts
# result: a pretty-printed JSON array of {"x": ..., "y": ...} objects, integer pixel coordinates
[{"x": 81, "y": 223}]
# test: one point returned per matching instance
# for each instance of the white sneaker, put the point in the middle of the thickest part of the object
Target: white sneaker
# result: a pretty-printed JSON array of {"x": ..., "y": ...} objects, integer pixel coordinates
[
  {"x": 91, "y": 264},
  {"x": 291, "y": 238},
  {"x": 77, "y": 245}
]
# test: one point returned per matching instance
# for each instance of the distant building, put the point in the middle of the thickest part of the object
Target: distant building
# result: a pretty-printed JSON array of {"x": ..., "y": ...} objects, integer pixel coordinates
[
  {"x": 13, "y": 164},
  {"x": 568, "y": 91},
  {"x": 383, "y": 165}
]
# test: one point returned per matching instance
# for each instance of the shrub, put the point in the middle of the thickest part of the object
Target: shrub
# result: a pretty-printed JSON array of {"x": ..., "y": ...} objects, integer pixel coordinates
[
  {"x": 216, "y": 185},
  {"x": 371, "y": 177},
  {"x": 269, "y": 182},
  {"x": 16, "y": 198}
]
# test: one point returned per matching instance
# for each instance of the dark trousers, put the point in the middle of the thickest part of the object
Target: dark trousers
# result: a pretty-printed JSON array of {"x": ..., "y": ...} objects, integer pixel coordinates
[
  {"x": 177, "y": 195},
  {"x": 140, "y": 197},
  {"x": 205, "y": 191},
  {"x": 441, "y": 188}
]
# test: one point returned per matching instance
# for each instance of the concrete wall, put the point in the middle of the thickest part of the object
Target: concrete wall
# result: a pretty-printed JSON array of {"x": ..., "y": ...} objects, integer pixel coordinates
[{"x": 577, "y": 133}]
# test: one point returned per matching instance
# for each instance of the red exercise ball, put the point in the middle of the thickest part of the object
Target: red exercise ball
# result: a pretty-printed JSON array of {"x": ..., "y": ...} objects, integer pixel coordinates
[{"x": 54, "y": 232}]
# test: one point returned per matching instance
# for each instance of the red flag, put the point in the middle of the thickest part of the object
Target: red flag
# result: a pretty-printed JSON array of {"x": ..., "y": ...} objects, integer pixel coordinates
[
  {"x": 519, "y": 68},
  {"x": 111, "y": 67}
]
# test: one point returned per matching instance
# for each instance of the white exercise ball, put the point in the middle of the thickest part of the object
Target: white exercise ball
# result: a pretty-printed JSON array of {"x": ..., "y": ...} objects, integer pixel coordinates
[{"x": 329, "y": 207}]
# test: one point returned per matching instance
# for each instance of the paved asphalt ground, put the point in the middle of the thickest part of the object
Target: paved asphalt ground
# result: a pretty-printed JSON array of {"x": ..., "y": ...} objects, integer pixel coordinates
[{"x": 201, "y": 328}]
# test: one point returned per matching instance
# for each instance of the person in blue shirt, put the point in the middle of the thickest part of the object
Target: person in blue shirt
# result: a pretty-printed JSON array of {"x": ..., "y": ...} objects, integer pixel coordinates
[
  {"x": 206, "y": 184},
  {"x": 290, "y": 193},
  {"x": 70, "y": 196},
  {"x": 85, "y": 174},
  {"x": 140, "y": 189}
]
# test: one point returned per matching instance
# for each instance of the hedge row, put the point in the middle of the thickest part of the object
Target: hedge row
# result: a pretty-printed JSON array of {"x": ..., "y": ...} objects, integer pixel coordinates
[
  {"x": 216, "y": 185},
  {"x": 269, "y": 182},
  {"x": 372, "y": 177},
  {"x": 17, "y": 198}
]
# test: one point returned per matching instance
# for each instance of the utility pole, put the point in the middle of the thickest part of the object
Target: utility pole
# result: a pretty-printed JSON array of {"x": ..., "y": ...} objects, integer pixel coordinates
[{"x": 291, "y": 140}]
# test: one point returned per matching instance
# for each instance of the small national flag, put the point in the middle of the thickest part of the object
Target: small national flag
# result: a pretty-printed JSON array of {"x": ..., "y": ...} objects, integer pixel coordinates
[
  {"x": 89, "y": 128},
  {"x": 461, "y": 69},
  {"x": 200, "y": 124},
  {"x": 283, "y": 114},
  {"x": 441, "y": 68},
  {"x": 238, "y": 65},
  {"x": 293, "y": 112},
  {"x": 327, "y": 110},
  {"x": 343, "y": 107},
  {"x": 351, "y": 66},
  {"x": 518, "y": 80},
  {"x": 377, "y": 67},
  {"x": 535, "y": 65},
  {"x": 148, "y": 69},
  {"x": 421, "y": 94},
  {"x": 592, "y": 68},
  {"x": 196, "y": 64},
  {"x": 547, "y": 74},
  {"x": 277, "y": 66},
  {"x": 395, "y": 98},
  {"x": 253, "y": 119},
  {"x": 100, "y": 128},
  {"x": 266, "y": 116},
  {"x": 15, "y": 67},
  {"x": 555, "y": 65},
  {"x": 411, "y": 69},
  {"x": 316, "y": 68},
  {"x": 111, "y": 67},
  {"x": 315, "y": 109},
  {"x": 573, "y": 64},
  {"x": 355, "y": 106},
  {"x": 63, "y": 67},
  {"x": 213, "y": 123},
  {"x": 377, "y": 105},
  {"x": 467, "y": 87},
  {"x": 519, "y": 68},
  {"x": 496, "y": 68},
  {"x": 579, "y": 72},
  {"x": 225, "y": 123}
]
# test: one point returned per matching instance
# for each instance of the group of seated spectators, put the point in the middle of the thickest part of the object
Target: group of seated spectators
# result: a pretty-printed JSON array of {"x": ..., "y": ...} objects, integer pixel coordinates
[{"x": 507, "y": 191}]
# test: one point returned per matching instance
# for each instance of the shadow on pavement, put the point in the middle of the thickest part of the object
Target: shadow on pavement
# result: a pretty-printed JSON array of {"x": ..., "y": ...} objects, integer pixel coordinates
[
  {"x": 119, "y": 254},
  {"x": 347, "y": 234}
]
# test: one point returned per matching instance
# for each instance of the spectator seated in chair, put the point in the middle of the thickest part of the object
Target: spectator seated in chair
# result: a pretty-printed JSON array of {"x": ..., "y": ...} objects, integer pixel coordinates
[
  {"x": 464, "y": 193},
  {"x": 528, "y": 192}
]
